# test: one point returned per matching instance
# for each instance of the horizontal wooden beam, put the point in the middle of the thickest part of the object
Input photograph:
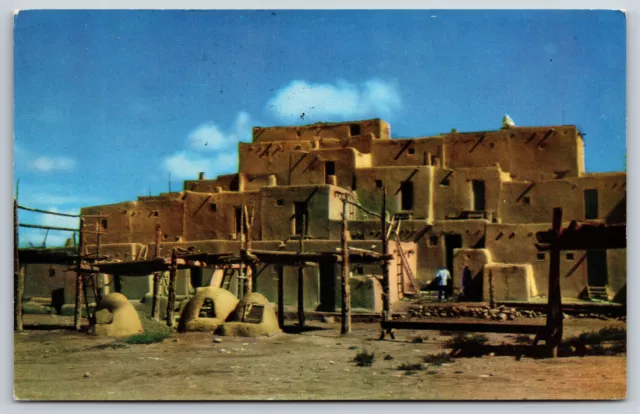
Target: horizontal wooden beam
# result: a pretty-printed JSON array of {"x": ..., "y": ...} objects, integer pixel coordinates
[
  {"x": 479, "y": 326},
  {"x": 54, "y": 213}
]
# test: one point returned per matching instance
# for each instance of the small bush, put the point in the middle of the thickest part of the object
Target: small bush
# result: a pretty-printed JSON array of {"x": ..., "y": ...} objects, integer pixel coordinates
[
  {"x": 364, "y": 358},
  {"x": 609, "y": 333},
  {"x": 112, "y": 345},
  {"x": 461, "y": 341},
  {"x": 411, "y": 367},
  {"x": 523, "y": 339},
  {"x": 388, "y": 358},
  {"x": 147, "y": 338},
  {"x": 437, "y": 359},
  {"x": 417, "y": 340}
]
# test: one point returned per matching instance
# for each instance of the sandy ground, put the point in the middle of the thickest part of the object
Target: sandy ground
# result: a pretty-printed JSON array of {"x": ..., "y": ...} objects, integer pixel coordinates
[{"x": 59, "y": 364}]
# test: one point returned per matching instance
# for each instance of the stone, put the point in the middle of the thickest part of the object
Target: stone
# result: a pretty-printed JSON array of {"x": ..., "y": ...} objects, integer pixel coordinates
[
  {"x": 501, "y": 316},
  {"x": 217, "y": 340},
  {"x": 328, "y": 319},
  {"x": 87, "y": 375}
]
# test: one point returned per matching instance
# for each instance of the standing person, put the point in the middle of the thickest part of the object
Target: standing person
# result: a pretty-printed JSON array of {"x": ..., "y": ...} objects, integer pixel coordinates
[
  {"x": 442, "y": 280},
  {"x": 466, "y": 282}
]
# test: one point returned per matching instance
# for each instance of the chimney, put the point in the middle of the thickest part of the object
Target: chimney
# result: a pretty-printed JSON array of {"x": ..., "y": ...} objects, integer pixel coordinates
[
  {"x": 200, "y": 176},
  {"x": 273, "y": 181}
]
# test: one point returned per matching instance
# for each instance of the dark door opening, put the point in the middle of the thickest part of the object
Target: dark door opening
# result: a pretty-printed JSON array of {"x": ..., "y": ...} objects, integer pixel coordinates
[
  {"x": 451, "y": 241},
  {"x": 300, "y": 218},
  {"x": 478, "y": 195},
  {"x": 597, "y": 268},
  {"x": 406, "y": 195},
  {"x": 238, "y": 219},
  {"x": 590, "y": 204},
  {"x": 329, "y": 169},
  {"x": 327, "y": 287}
]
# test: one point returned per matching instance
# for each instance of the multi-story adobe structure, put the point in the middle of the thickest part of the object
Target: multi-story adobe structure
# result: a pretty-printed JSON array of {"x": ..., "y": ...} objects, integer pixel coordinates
[{"x": 473, "y": 199}]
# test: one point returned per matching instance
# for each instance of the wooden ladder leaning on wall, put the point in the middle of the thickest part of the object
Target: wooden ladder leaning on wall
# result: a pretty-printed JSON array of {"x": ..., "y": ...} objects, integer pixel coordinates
[{"x": 403, "y": 263}]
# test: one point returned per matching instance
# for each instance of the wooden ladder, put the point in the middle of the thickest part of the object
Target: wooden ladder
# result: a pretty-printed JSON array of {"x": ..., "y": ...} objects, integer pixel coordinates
[
  {"x": 403, "y": 263},
  {"x": 91, "y": 296}
]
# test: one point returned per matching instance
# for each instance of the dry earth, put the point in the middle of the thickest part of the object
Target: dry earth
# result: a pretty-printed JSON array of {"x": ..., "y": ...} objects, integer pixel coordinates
[{"x": 59, "y": 364}]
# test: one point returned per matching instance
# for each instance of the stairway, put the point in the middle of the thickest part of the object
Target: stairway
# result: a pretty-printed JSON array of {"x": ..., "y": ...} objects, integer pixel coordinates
[{"x": 597, "y": 293}]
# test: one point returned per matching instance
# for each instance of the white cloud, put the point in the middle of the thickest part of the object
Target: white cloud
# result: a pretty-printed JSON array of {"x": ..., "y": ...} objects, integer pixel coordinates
[
  {"x": 220, "y": 146},
  {"x": 304, "y": 102},
  {"x": 51, "y": 164}
]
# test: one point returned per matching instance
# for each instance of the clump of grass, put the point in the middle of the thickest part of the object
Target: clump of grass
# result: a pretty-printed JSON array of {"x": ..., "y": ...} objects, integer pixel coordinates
[
  {"x": 388, "y": 357},
  {"x": 462, "y": 341},
  {"x": 146, "y": 338},
  {"x": 112, "y": 345},
  {"x": 523, "y": 339},
  {"x": 417, "y": 340},
  {"x": 437, "y": 359},
  {"x": 411, "y": 367},
  {"x": 364, "y": 358},
  {"x": 610, "y": 333}
]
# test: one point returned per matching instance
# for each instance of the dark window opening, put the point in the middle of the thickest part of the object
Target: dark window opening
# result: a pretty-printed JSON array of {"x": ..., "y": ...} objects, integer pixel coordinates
[
  {"x": 433, "y": 240},
  {"x": 406, "y": 194},
  {"x": 379, "y": 183},
  {"x": 329, "y": 169},
  {"x": 569, "y": 256},
  {"x": 301, "y": 218},
  {"x": 540, "y": 256},
  {"x": 359, "y": 270},
  {"x": 445, "y": 182},
  {"x": 280, "y": 202},
  {"x": 354, "y": 129},
  {"x": 411, "y": 151},
  {"x": 597, "y": 272},
  {"x": 235, "y": 184},
  {"x": 354, "y": 183},
  {"x": 478, "y": 195},
  {"x": 590, "y": 204},
  {"x": 527, "y": 200},
  {"x": 155, "y": 213},
  {"x": 104, "y": 223},
  {"x": 213, "y": 207}
]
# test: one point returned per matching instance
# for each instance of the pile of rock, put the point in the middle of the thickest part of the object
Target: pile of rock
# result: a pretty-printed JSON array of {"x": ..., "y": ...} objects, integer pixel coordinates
[{"x": 501, "y": 313}]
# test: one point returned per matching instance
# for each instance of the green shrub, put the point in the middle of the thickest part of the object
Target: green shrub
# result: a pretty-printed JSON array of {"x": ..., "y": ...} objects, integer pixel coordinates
[
  {"x": 464, "y": 340},
  {"x": 364, "y": 358},
  {"x": 417, "y": 340},
  {"x": 437, "y": 359},
  {"x": 147, "y": 338},
  {"x": 411, "y": 367}
]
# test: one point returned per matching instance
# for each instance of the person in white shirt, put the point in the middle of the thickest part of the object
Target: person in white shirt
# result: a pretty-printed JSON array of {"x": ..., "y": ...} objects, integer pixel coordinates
[{"x": 442, "y": 279}]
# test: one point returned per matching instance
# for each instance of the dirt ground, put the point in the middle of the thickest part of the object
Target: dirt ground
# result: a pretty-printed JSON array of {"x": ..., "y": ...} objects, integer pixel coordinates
[{"x": 60, "y": 364}]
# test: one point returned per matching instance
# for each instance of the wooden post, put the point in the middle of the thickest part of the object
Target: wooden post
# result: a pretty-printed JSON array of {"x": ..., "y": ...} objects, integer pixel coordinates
[
  {"x": 301, "y": 279},
  {"x": 18, "y": 274},
  {"x": 280, "y": 270},
  {"x": 157, "y": 276},
  {"x": 78, "y": 309},
  {"x": 241, "y": 267},
  {"x": 554, "y": 308},
  {"x": 345, "y": 326},
  {"x": 386, "y": 295},
  {"x": 171, "y": 299},
  {"x": 492, "y": 296},
  {"x": 248, "y": 281}
]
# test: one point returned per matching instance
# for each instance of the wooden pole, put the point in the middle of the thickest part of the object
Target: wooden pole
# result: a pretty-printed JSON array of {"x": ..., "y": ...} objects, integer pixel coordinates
[
  {"x": 492, "y": 295},
  {"x": 554, "y": 311},
  {"x": 155, "y": 303},
  {"x": 386, "y": 295},
  {"x": 77, "y": 322},
  {"x": 301, "y": 278},
  {"x": 18, "y": 275},
  {"x": 345, "y": 326},
  {"x": 248, "y": 281},
  {"x": 172, "y": 288},
  {"x": 241, "y": 270},
  {"x": 280, "y": 270}
]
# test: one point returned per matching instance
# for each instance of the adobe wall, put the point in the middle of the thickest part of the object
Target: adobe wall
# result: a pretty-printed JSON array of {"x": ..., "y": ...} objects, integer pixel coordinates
[
  {"x": 453, "y": 191},
  {"x": 477, "y": 260},
  {"x": 118, "y": 223},
  {"x": 511, "y": 282},
  {"x": 380, "y": 129},
  {"x": 371, "y": 180},
  {"x": 407, "y": 152}
]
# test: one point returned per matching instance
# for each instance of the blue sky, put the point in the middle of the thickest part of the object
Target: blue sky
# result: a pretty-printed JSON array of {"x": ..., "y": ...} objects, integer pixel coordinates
[{"x": 108, "y": 103}]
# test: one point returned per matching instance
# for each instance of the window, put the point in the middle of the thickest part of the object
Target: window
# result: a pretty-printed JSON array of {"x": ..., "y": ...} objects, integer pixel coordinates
[
  {"x": 280, "y": 202},
  {"x": 155, "y": 213},
  {"x": 379, "y": 183},
  {"x": 105, "y": 223},
  {"x": 526, "y": 200},
  {"x": 411, "y": 151},
  {"x": 213, "y": 207},
  {"x": 569, "y": 256},
  {"x": 540, "y": 257},
  {"x": 433, "y": 240},
  {"x": 354, "y": 129}
]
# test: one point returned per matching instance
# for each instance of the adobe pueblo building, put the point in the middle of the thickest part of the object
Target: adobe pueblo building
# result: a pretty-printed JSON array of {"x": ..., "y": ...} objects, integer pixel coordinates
[{"x": 455, "y": 199}]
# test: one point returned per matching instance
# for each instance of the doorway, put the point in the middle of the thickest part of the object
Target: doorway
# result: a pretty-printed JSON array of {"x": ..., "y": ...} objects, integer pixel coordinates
[
  {"x": 451, "y": 242},
  {"x": 597, "y": 268},
  {"x": 327, "y": 287},
  {"x": 477, "y": 186},
  {"x": 590, "y": 204},
  {"x": 329, "y": 169},
  {"x": 300, "y": 218},
  {"x": 406, "y": 196}
]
